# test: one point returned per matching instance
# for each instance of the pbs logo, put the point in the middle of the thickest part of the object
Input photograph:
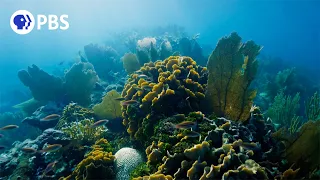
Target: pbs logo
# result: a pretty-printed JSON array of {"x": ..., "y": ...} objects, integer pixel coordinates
[{"x": 23, "y": 22}]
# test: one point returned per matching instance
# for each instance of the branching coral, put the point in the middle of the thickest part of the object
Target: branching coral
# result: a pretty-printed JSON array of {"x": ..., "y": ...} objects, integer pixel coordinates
[
  {"x": 82, "y": 131},
  {"x": 109, "y": 107},
  {"x": 74, "y": 113},
  {"x": 130, "y": 63},
  {"x": 232, "y": 67},
  {"x": 80, "y": 80},
  {"x": 284, "y": 108},
  {"x": 98, "y": 164},
  {"x": 175, "y": 85},
  {"x": 44, "y": 87}
]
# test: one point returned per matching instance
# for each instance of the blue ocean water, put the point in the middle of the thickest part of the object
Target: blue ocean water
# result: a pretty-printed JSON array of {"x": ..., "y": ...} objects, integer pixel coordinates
[{"x": 287, "y": 29}]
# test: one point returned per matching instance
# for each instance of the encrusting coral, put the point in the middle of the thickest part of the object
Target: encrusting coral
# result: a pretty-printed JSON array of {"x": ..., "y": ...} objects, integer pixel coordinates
[
  {"x": 226, "y": 150},
  {"x": 162, "y": 88},
  {"x": 109, "y": 108},
  {"x": 80, "y": 81},
  {"x": 232, "y": 67},
  {"x": 98, "y": 164}
]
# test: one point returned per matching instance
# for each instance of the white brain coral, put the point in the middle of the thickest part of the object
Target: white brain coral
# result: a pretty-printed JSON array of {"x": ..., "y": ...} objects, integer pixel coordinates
[{"x": 126, "y": 160}]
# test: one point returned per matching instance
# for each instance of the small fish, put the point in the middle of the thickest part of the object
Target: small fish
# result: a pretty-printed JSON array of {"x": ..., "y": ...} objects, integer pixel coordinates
[
  {"x": 51, "y": 117},
  {"x": 186, "y": 125},
  {"x": 138, "y": 89},
  {"x": 28, "y": 150},
  {"x": 99, "y": 123},
  {"x": 50, "y": 167},
  {"x": 1, "y": 135},
  {"x": 192, "y": 134},
  {"x": 129, "y": 102},
  {"x": 147, "y": 88},
  {"x": 2, "y": 147},
  {"x": 120, "y": 99},
  {"x": 9, "y": 127},
  {"x": 143, "y": 76},
  {"x": 250, "y": 146},
  {"x": 51, "y": 148},
  {"x": 139, "y": 72}
]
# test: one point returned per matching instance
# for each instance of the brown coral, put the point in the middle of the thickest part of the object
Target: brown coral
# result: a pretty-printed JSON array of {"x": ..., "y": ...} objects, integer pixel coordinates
[{"x": 232, "y": 67}]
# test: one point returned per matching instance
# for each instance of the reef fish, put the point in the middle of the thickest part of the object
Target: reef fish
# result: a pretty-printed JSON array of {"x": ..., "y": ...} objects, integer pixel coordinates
[
  {"x": 129, "y": 102},
  {"x": 120, "y": 99},
  {"x": 2, "y": 147},
  {"x": 147, "y": 88},
  {"x": 143, "y": 76},
  {"x": 51, "y": 117},
  {"x": 8, "y": 127},
  {"x": 186, "y": 125},
  {"x": 99, "y": 123},
  {"x": 191, "y": 134},
  {"x": 50, "y": 167},
  {"x": 28, "y": 150},
  {"x": 51, "y": 148}
]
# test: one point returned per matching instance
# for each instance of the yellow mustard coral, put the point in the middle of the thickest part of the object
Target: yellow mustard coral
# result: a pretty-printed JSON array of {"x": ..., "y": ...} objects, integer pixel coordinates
[
  {"x": 109, "y": 108},
  {"x": 232, "y": 67},
  {"x": 98, "y": 158},
  {"x": 175, "y": 85}
]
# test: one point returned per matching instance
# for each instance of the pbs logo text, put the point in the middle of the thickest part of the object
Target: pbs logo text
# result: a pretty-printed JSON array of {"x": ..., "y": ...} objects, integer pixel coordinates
[{"x": 23, "y": 22}]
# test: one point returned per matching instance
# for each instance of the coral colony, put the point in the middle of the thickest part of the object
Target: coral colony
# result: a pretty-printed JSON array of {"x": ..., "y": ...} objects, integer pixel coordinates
[{"x": 160, "y": 108}]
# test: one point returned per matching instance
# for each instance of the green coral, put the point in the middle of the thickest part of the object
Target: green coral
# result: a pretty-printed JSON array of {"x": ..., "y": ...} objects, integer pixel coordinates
[
  {"x": 312, "y": 107},
  {"x": 232, "y": 67},
  {"x": 80, "y": 81},
  {"x": 82, "y": 131},
  {"x": 130, "y": 63},
  {"x": 284, "y": 109},
  {"x": 109, "y": 108},
  {"x": 74, "y": 113}
]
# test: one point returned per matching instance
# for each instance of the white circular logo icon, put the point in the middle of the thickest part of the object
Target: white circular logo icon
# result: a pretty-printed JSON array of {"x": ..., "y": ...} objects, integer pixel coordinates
[{"x": 22, "y": 22}]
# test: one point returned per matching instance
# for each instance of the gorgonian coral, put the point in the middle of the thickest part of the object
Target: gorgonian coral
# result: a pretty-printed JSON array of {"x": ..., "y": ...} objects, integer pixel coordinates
[
  {"x": 162, "y": 88},
  {"x": 232, "y": 67}
]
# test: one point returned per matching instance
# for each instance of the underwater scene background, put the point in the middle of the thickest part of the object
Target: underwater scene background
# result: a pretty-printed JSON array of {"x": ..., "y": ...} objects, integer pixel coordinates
[{"x": 162, "y": 90}]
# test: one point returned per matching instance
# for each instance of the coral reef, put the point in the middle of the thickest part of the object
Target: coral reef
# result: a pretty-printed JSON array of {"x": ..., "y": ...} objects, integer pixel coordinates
[
  {"x": 283, "y": 110},
  {"x": 98, "y": 164},
  {"x": 43, "y": 111},
  {"x": 126, "y": 160},
  {"x": 109, "y": 108},
  {"x": 232, "y": 67},
  {"x": 83, "y": 133},
  {"x": 44, "y": 87},
  {"x": 175, "y": 85},
  {"x": 227, "y": 149},
  {"x": 80, "y": 81},
  {"x": 74, "y": 113},
  {"x": 104, "y": 59},
  {"x": 312, "y": 107},
  {"x": 130, "y": 63},
  {"x": 29, "y": 106}
]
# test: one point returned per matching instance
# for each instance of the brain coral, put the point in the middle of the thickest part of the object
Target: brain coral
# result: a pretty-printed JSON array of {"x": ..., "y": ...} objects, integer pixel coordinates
[
  {"x": 163, "y": 88},
  {"x": 126, "y": 160}
]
